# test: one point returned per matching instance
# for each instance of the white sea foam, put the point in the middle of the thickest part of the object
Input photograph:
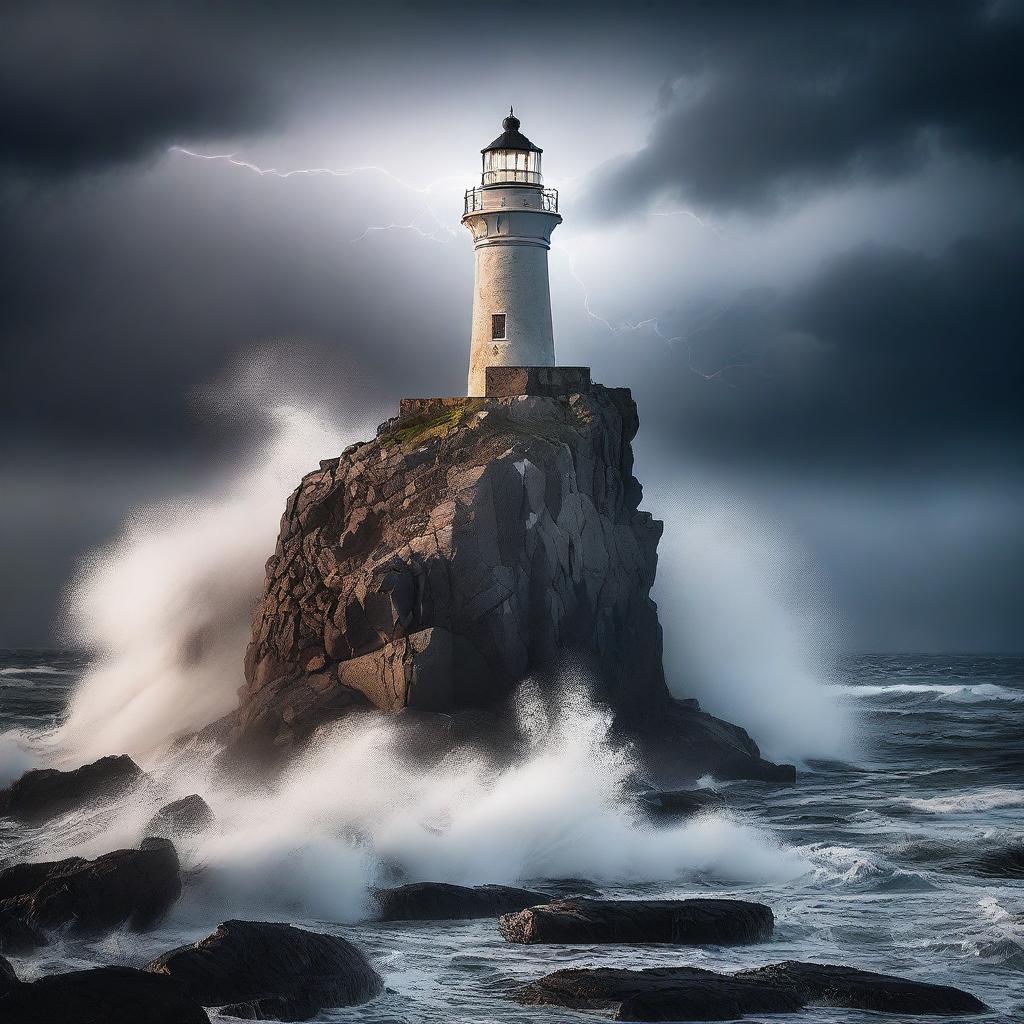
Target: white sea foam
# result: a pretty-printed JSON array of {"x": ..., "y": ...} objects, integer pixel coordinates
[
  {"x": 167, "y": 607},
  {"x": 746, "y": 627},
  {"x": 964, "y": 803},
  {"x": 17, "y": 755},
  {"x": 965, "y": 694}
]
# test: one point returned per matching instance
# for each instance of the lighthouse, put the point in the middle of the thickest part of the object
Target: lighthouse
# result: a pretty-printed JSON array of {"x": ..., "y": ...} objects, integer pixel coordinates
[{"x": 510, "y": 215}]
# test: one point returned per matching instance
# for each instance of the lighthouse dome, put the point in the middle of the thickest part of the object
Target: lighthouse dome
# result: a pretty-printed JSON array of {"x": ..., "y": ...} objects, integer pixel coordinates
[{"x": 511, "y": 159}]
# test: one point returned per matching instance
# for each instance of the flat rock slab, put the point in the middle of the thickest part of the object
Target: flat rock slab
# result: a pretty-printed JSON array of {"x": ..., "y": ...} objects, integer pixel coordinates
[
  {"x": 261, "y": 971},
  {"x": 692, "y": 994},
  {"x": 103, "y": 995},
  {"x": 829, "y": 985},
  {"x": 695, "y": 922},
  {"x": 440, "y": 901},
  {"x": 124, "y": 887},
  {"x": 47, "y": 792}
]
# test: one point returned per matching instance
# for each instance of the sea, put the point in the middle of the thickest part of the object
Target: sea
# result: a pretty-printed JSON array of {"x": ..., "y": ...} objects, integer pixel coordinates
[{"x": 906, "y": 859}]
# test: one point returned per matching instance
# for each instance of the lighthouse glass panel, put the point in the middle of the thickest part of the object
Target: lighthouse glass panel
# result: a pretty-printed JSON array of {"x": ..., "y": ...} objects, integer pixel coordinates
[{"x": 511, "y": 166}]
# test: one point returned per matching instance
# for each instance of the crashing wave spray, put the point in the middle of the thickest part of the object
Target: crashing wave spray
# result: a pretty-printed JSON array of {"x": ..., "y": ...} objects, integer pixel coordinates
[
  {"x": 166, "y": 608},
  {"x": 747, "y": 628}
]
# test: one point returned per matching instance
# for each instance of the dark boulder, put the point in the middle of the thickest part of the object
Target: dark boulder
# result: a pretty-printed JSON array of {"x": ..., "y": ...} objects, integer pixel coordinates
[
  {"x": 16, "y": 935},
  {"x": 754, "y": 769},
  {"x": 440, "y": 901},
  {"x": 660, "y": 993},
  {"x": 271, "y": 971},
  {"x": 830, "y": 985},
  {"x": 102, "y": 995},
  {"x": 125, "y": 887},
  {"x": 7, "y": 976},
  {"x": 695, "y": 922},
  {"x": 45, "y": 793},
  {"x": 679, "y": 803},
  {"x": 692, "y": 994},
  {"x": 187, "y": 816}
]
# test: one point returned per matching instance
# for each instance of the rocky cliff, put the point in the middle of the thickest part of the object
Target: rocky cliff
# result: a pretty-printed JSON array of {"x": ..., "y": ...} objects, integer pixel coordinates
[{"x": 471, "y": 543}]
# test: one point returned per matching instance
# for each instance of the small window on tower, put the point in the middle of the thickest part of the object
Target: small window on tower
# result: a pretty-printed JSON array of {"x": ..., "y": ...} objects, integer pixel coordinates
[{"x": 497, "y": 327}]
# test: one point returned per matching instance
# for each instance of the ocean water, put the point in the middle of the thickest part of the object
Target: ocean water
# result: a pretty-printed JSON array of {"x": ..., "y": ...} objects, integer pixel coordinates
[{"x": 899, "y": 860}]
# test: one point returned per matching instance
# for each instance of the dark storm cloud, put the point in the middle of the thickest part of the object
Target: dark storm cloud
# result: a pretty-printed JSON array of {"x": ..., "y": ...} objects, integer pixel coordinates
[
  {"x": 777, "y": 99},
  {"x": 87, "y": 85},
  {"x": 884, "y": 357}
]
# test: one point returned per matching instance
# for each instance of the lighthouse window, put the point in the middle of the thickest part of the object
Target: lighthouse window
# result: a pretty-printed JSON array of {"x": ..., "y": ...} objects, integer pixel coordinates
[{"x": 497, "y": 326}]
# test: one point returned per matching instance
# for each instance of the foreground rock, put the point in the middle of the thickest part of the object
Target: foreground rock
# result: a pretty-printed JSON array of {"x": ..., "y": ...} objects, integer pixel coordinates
[
  {"x": 828, "y": 985},
  {"x": 473, "y": 542},
  {"x": 102, "y": 995},
  {"x": 271, "y": 971},
  {"x": 440, "y": 901},
  {"x": 696, "y": 922},
  {"x": 16, "y": 935},
  {"x": 188, "y": 816},
  {"x": 126, "y": 887},
  {"x": 692, "y": 994},
  {"x": 47, "y": 792}
]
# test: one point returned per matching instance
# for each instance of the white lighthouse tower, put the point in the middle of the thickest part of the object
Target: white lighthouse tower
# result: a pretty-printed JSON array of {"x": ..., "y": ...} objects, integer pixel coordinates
[{"x": 511, "y": 216}]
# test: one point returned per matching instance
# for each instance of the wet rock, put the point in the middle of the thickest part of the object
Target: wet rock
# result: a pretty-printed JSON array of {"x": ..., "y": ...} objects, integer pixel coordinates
[
  {"x": 679, "y": 803},
  {"x": 187, "y": 816},
  {"x": 440, "y": 901},
  {"x": 693, "y": 994},
  {"x": 16, "y": 935},
  {"x": 102, "y": 995},
  {"x": 7, "y": 976},
  {"x": 754, "y": 769},
  {"x": 126, "y": 887},
  {"x": 695, "y": 922},
  {"x": 830, "y": 985},
  {"x": 661, "y": 993},
  {"x": 45, "y": 793},
  {"x": 271, "y": 971}
]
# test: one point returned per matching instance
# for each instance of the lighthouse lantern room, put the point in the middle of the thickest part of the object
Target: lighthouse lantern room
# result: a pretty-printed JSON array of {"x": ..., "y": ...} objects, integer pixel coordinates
[{"x": 510, "y": 216}]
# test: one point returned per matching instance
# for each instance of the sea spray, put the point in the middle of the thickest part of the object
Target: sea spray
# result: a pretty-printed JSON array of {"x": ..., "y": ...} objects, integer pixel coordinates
[
  {"x": 746, "y": 628},
  {"x": 167, "y": 607}
]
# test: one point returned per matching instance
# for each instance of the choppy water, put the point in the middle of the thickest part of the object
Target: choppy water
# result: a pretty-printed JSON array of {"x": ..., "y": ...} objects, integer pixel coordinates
[{"x": 896, "y": 862}]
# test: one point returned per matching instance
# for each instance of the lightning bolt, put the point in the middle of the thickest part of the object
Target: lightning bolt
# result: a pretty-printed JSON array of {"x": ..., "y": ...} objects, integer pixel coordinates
[
  {"x": 347, "y": 172},
  {"x": 654, "y": 324}
]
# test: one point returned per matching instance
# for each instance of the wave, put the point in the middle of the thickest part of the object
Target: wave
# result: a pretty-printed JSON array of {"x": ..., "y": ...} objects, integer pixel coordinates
[
  {"x": 852, "y": 866},
  {"x": 962, "y": 803},
  {"x": 965, "y": 693},
  {"x": 353, "y": 812},
  {"x": 37, "y": 670}
]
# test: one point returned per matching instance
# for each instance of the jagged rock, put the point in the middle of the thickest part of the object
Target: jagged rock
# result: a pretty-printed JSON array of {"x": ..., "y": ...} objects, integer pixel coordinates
[
  {"x": 471, "y": 543},
  {"x": 271, "y": 971},
  {"x": 695, "y": 922},
  {"x": 46, "y": 792},
  {"x": 102, "y": 995},
  {"x": 756, "y": 769},
  {"x": 187, "y": 816},
  {"x": 693, "y": 994},
  {"x": 7, "y": 976},
  {"x": 830, "y": 985},
  {"x": 679, "y": 803},
  {"x": 440, "y": 901},
  {"x": 125, "y": 887}
]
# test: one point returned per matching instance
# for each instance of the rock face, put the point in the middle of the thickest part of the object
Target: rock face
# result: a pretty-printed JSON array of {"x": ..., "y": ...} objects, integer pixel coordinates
[
  {"x": 440, "y": 901},
  {"x": 102, "y": 995},
  {"x": 690, "y": 993},
  {"x": 187, "y": 816},
  {"x": 473, "y": 542},
  {"x": 679, "y": 803},
  {"x": 125, "y": 887},
  {"x": 271, "y": 971},
  {"x": 47, "y": 792},
  {"x": 695, "y": 922}
]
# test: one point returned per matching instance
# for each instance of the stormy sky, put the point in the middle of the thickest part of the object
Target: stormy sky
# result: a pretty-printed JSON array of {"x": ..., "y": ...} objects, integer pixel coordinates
[{"x": 795, "y": 230}]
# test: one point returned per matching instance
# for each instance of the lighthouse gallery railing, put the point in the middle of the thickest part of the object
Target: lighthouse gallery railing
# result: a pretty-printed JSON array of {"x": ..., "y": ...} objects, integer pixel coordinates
[{"x": 546, "y": 200}]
